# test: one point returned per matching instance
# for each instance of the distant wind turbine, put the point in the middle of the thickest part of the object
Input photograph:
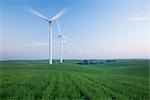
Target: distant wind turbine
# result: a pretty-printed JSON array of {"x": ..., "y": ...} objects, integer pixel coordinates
[
  {"x": 61, "y": 38},
  {"x": 59, "y": 14}
]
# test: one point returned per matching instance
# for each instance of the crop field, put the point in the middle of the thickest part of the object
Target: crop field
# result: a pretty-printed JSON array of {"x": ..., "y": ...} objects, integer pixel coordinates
[{"x": 124, "y": 80}]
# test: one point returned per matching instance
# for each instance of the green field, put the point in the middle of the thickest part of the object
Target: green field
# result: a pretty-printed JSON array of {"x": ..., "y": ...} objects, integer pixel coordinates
[{"x": 124, "y": 80}]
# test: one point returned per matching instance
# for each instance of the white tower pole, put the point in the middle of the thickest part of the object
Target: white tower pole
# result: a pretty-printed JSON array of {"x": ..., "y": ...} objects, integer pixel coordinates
[
  {"x": 50, "y": 43},
  {"x": 61, "y": 44}
]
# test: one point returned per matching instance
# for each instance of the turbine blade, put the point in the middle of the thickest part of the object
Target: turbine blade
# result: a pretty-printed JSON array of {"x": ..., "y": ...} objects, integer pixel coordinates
[
  {"x": 35, "y": 12},
  {"x": 64, "y": 41},
  {"x": 65, "y": 38},
  {"x": 58, "y": 26},
  {"x": 59, "y": 14}
]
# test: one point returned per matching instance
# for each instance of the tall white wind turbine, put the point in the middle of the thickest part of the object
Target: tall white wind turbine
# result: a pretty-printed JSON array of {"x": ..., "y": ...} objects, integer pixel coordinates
[
  {"x": 59, "y": 14},
  {"x": 60, "y": 36}
]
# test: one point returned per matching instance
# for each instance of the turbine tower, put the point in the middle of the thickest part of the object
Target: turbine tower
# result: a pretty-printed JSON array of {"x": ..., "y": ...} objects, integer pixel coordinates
[
  {"x": 62, "y": 39},
  {"x": 59, "y": 14},
  {"x": 60, "y": 36}
]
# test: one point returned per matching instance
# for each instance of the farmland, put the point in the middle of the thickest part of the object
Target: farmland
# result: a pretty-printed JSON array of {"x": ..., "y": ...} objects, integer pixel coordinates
[{"x": 124, "y": 80}]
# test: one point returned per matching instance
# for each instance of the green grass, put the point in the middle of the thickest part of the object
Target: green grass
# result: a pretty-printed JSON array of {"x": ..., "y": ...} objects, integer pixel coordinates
[{"x": 124, "y": 80}]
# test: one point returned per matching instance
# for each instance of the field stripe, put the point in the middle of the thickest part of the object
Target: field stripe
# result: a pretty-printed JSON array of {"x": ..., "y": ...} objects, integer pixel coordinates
[
  {"x": 116, "y": 87},
  {"x": 89, "y": 88}
]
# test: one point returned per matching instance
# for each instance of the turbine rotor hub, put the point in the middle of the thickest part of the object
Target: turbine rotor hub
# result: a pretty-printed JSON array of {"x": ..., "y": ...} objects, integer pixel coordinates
[{"x": 50, "y": 22}]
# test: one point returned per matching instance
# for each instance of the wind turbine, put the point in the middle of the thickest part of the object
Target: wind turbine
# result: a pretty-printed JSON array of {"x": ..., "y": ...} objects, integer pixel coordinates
[
  {"x": 59, "y": 14},
  {"x": 61, "y": 38}
]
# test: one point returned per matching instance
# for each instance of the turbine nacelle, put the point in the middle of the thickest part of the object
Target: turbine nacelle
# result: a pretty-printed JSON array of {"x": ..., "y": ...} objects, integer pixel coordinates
[
  {"x": 60, "y": 36},
  {"x": 50, "y": 21}
]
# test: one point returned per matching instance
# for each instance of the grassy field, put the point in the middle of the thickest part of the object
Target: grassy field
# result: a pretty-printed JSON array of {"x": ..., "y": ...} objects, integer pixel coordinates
[{"x": 125, "y": 80}]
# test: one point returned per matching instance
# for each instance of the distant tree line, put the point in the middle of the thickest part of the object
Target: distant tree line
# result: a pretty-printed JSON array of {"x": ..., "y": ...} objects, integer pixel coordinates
[{"x": 94, "y": 62}]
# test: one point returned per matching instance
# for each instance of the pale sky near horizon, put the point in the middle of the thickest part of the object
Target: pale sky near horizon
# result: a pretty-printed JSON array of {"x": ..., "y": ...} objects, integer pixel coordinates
[{"x": 96, "y": 29}]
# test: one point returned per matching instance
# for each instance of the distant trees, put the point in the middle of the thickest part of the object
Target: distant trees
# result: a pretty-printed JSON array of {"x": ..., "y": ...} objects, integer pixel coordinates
[
  {"x": 110, "y": 61},
  {"x": 88, "y": 62},
  {"x": 94, "y": 62},
  {"x": 85, "y": 62}
]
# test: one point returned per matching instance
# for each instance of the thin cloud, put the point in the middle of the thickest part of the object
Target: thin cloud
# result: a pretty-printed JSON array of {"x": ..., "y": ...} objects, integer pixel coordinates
[
  {"x": 139, "y": 18},
  {"x": 36, "y": 44}
]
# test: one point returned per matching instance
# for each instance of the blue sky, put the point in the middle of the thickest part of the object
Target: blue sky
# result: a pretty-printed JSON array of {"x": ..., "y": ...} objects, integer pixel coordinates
[{"x": 96, "y": 29}]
